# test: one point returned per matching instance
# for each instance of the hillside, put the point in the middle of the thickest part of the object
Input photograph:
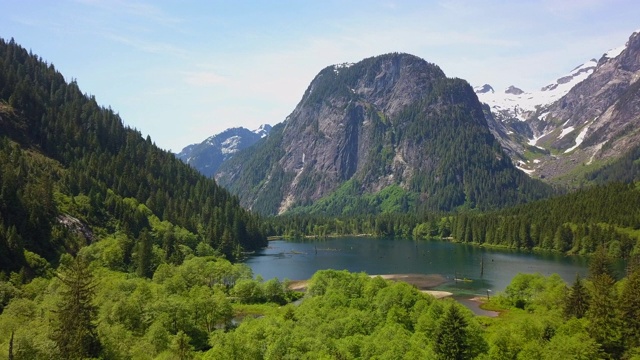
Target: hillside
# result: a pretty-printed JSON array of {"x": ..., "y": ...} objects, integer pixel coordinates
[
  {"x": 390, "y": 133},
  {"x": 73, "y": 174}
]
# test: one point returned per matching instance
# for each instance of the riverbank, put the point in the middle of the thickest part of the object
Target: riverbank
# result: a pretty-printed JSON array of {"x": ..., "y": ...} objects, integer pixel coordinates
[{"x": 424, "y": 283}]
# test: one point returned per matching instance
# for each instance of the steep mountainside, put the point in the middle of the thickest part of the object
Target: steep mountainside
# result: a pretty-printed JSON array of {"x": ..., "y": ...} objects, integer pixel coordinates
[
  {"x": 588, "y": 117},
  {"x": 598, "y": 119},
  {"x": 208, "y": 155},
  {"x": 71, "y": 173},
  {"x": 394, "y": 126}
]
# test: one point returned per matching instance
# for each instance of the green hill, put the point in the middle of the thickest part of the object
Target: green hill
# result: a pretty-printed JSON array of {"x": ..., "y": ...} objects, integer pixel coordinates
[{"x": 72, "y": 173}]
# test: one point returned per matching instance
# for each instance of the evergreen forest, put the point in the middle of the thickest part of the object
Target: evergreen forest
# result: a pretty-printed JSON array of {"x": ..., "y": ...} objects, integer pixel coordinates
[{"x": 111, "y": 248}]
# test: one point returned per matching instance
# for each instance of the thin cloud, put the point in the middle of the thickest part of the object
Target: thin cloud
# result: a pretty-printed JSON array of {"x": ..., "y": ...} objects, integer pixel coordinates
[
  {"x": 138, "y": 9},
  {"x": 203, "y": 78},
  {"x": 152, "y": 47}
]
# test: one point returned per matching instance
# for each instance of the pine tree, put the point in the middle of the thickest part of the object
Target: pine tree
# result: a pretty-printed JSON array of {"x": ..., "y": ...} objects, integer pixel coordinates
[
  {"x": 604, "y": 318},
  {"x": 144, "y": 254},
  {"x": 451, "y": 337},
  {"x": 630, "y": 307},
  {"x": 577, "y": 302},
  {"x": 75, "y": 332},
  {"x": 600, "y": 264}
]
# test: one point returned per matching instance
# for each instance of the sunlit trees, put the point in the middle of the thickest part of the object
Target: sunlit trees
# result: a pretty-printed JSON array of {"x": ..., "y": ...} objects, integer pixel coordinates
[
  {"x": 75, "y": 331},
  {"x": 577, "y": 300},
  {"x": 451, "y": 338}
]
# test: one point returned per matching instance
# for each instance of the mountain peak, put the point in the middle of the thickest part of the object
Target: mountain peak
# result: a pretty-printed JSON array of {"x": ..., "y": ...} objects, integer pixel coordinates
[
  {"x": 513, "y": 90},
  {"x": 208, "y": 155},
  {"x": 484, "y": 89},
  {"x": 263, "y": 130}
]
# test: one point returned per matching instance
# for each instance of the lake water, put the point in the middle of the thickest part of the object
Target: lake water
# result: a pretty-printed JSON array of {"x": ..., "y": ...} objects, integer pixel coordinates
[{"x": 300, "y": 260}]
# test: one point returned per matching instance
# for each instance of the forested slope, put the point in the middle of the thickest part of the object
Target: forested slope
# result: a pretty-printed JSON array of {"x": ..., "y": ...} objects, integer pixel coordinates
[{"x": 72, "y": 173}]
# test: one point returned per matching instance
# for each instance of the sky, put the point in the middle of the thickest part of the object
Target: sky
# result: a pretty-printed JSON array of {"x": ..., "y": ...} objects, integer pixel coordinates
[{"x": 181, "y": 71}]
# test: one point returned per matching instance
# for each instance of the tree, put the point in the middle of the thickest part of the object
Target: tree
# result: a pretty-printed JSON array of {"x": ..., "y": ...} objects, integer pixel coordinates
[
  {"x": 603, "y": 315},
  {"x": 600, "y": 264},
  {"x": 577, "y": 302},
  {"x": 75, "y": 332},
  {"x": 630, "y": 308},
  {"x": 144, "y": 255},
  {"x": 451, "y": 338}
]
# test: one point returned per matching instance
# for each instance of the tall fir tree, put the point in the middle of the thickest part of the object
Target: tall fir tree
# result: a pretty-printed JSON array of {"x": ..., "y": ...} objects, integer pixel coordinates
[
  {"x": 75, "y": 330},
  {"x": 577, "y": 301},
  {"x": 451, "y": 337},
  {"x": 630, "y": 306}
]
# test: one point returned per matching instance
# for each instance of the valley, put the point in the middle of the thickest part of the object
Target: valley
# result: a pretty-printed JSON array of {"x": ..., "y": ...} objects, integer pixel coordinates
[{"x": 113, "y": 248}]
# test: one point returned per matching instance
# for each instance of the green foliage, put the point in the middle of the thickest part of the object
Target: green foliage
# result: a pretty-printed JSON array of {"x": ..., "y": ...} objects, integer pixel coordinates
[
  {"x": 451, "y": 338},
  {"x": 71, "y": 173},
  {"x": 577, "y": 301},
  {"x": 577, "y": 223},
  {"x": 75, "y": 332}
]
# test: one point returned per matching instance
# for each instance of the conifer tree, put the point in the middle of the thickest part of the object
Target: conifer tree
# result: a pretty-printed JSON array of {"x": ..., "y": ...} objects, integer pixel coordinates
[
  {"x": 75, "y": 332},
  {"x": 577, "y": 302},
  {"x": 451, "y": 337},
  {"x": 144, "y": 254},
  {"x": 600, "y": 264},
  {"x": 630, "y": 307}
]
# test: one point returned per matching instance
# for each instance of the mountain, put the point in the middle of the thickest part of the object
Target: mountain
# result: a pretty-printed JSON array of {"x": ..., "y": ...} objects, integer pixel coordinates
[
  {"x": 71, "y": 174},
  {"x": 208, "y": 155},
  {"x": 390, "y": 133},
  {"x": 583, "y": 120},
  {"x": 515, "y": 104}
]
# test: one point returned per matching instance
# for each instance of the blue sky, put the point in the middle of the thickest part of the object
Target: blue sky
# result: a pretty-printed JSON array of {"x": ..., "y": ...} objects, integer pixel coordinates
[{"x": 181, "y": 71}]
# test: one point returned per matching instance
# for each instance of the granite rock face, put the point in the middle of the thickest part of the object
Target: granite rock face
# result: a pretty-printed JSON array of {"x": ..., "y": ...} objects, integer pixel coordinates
[{"x": 389, "y": 120}]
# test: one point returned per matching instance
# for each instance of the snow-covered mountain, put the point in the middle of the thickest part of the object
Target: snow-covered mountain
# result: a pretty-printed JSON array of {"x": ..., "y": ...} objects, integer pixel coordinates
[
  {"x": 208, "y": 155},
  {"x": 587, "y": 117},
  {"x": 516, "y": 104}
]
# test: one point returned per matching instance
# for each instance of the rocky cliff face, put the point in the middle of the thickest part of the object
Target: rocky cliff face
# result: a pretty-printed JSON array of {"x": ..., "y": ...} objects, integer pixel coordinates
[
  {"x": 389, "y": 120},
  {"x": 598, "y": 119}
]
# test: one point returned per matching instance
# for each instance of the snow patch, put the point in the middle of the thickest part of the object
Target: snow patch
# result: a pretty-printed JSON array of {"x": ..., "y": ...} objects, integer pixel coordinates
[
  {"x": 565, "y": 131},
  {"x": 579, "y": 139},
  {"x": 526, "y": 171},
  {"x": 613, "y": 53},
  {"x": 543, "y": 115},
  {"x": 534, "y": 141},
  {"x": 520, "y": 106},
  {"x": 230, "y": 145},
  {"x": 338, "y": 67}
]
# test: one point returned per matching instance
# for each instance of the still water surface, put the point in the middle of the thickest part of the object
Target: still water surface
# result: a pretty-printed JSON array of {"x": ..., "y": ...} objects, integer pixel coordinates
[{"x": 300, "y": 260}]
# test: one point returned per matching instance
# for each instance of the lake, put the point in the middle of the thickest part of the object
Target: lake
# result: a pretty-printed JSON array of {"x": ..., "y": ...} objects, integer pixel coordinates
[{"x": 299, "y": 260}]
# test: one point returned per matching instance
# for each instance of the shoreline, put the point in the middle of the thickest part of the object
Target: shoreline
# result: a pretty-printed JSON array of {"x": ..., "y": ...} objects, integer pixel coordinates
[{"x": 424, "y": 283}]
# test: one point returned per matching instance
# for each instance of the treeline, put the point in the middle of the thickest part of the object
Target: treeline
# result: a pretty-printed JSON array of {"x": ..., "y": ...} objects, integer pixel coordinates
[
  {"x": 575, "y": 223},
  {"x": 62, "y": 154}
]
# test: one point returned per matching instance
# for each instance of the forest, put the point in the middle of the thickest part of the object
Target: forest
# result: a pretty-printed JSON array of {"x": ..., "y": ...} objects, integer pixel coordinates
[
  {"x": 209, "y": 308},
  {"x": 111, "y": 248},
  {"x": 72, "y": 173}
]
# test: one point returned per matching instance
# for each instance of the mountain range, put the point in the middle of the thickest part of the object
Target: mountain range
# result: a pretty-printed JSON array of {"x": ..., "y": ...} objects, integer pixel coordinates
[
  {"x": 578, "y": 123},
  {"x": 348, "y": 136}
]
